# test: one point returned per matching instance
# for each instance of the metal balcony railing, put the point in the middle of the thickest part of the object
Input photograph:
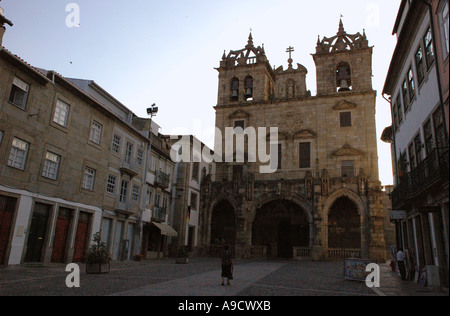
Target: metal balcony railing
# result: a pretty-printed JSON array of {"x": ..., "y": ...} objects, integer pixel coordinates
[
  {"x": 433, "y": 169},
  {"x": 129, "y": 165},
  {"x": 126, "y": 206},
  {"x": 162, "y": 179},
  {"x": 159, "y": 213}
]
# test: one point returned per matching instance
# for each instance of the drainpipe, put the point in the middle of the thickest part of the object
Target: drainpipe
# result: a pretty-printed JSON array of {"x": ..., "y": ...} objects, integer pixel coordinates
[{"x": 394, "y": 167}]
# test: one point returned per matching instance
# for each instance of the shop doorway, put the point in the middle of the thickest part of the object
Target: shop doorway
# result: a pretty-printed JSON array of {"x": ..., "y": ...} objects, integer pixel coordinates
[
  {"x": 117, "y": 240},
  {"x": 37, "y": 233},
  {"x": 7, "y": 209},
  {"x": 61, "y": 237},
  {"x": 81, "y": 238}
]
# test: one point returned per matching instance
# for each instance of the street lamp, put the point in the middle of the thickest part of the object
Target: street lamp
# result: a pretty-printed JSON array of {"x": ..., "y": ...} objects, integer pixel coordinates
[{"x": 152, "y": 110}]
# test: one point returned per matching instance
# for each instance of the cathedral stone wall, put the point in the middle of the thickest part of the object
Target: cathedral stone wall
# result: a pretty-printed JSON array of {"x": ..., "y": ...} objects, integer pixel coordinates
[{"x": 329, "y": 159}]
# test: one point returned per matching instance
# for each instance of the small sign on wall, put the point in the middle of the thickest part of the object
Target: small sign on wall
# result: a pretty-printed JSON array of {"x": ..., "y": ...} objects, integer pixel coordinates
[{"x": 398, "y": 214}]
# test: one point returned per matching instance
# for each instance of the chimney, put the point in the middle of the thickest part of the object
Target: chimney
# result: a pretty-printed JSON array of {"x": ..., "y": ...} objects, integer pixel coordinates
[{"x": 3, "y": 21}]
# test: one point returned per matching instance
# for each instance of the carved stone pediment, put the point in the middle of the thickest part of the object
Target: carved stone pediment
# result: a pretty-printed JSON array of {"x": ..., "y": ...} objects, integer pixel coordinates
[
  {"x": 347, "y": 150},
  {"x": 304, "y": 134},
  {"x": 239, "y": 114},
  {"x": 281, "y": 136},
  {"x": 344, "y": 105}
]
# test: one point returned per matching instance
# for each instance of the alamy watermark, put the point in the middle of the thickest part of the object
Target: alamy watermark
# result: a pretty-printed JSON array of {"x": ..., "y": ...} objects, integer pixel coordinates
[
  {"x": 252, "y": 145},
  {"x": 373, "y": 279},
  {"x": 373, "y": 15},
  {"x": 73, "y": 279},
  {"x": 73, "y": 18}
]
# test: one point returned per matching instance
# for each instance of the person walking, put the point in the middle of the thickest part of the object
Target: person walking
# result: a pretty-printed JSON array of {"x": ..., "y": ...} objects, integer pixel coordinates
[
  {"x": 401, "y": 263},
  {"x": 227, "y": 265}
]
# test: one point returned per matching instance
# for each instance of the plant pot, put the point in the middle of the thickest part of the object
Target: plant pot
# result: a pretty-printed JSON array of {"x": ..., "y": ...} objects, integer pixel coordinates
[
  {"x": 98, "y": 268},
  {"x": 183, "y": 260},
  {"x": 138, "y": 258}
]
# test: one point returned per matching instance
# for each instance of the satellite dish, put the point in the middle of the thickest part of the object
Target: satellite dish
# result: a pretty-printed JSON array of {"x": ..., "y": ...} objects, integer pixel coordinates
[{"x": 1, "y": 11}]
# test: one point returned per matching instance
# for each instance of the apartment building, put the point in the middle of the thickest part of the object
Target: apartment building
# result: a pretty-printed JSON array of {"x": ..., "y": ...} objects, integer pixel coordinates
[
  {"x": 157, "y": 227},
  {"x": 419, "y": 136},
  {"x": 191, "y": 172},
  {"x": 74, "y": 161}
]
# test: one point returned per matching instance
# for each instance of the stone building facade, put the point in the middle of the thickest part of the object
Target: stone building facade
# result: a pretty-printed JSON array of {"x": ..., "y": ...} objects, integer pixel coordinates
[
  {"x": 75, "y": 161},
  {"x": 191, "y": 172},
  {"x": 324, "y": 201}
]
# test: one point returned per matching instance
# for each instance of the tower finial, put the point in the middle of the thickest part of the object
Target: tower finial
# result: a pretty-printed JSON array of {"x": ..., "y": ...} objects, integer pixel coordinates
[
  {"x": 250, "y": 40},
  {"x": 341, "y": 26},
  {"x": 289, "y": 50}
]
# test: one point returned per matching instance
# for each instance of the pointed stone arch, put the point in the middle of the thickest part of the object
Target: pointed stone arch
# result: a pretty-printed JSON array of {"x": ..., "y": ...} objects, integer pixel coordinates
[
  {"x": 345, "y": 224},
  {"x": 222, "y": 220},
  {"x": 345, "y": 193}
]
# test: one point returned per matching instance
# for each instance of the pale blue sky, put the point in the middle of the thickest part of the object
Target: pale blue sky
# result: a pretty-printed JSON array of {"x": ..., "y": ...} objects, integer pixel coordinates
[{"x": 164, "y": 52}]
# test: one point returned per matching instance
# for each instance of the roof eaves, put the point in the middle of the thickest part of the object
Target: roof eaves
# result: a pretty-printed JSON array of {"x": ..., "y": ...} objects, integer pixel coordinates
[
  {"x": 97, "y": 102},
  {"x": 35, "y": 71}
]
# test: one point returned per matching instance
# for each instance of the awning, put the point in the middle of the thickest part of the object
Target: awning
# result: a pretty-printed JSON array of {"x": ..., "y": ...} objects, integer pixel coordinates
[{"x": 166, "y": 230}]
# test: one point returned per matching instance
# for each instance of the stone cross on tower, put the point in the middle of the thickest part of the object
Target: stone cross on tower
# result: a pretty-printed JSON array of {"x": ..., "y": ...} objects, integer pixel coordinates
[{"x": 289, "y": 50}]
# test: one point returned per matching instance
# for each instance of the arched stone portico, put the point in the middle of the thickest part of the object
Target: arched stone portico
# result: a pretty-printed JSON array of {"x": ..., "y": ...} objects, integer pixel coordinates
[
  {"x": 344, "y": 225},
  {"x": 281, "y": 224}
]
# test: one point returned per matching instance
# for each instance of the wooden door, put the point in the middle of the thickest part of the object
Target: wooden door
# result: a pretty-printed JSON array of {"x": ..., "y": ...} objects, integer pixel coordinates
[
  {"x": 62, "y": 230},
  {"x": 81, "y": 238},
  {"x": 37, "y": 233},
  {"x": 7, "y": 208}
]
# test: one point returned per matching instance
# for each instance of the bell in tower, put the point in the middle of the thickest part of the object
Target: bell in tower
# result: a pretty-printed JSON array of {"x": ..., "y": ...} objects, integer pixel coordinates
[
  {"x": 235, "y": 89},
  {"x": 248, "y": 88},
  {"x": 337, "y": 71},
  {"x": 343, "y": 77}
]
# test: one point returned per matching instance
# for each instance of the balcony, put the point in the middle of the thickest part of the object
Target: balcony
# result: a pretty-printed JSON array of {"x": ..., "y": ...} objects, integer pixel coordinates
[
  {"x": 159, "y": 214},
  {"x": 129, "y": 166},
  {"x": 126, "y": 207},
  {"x": 431, "y": 171},
  {"x": 162, "y": 179}
]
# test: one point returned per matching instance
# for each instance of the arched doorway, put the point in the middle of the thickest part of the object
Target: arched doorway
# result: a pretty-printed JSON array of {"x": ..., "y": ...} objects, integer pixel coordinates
[
  {"x": 223, "y": 224},
  {"x": 280, "y": 225},
  {"x": 344, "y": 225}
]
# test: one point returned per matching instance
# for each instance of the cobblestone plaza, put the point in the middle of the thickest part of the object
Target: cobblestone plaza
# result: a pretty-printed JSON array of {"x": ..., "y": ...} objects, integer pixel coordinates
[{"x": 201, "y": 278}]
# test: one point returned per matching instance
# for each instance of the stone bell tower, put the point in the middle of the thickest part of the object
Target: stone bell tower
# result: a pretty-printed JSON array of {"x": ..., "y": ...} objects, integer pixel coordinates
[
  {"x": 343, "y": 63},
  {"x": 245, "y": 76}
]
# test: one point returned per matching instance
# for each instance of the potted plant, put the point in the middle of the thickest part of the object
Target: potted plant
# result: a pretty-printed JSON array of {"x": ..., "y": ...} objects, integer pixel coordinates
[
  {"x": 98, "y": 259},
  {"x": 182, "y": 255},
  {"x": 138, "y": 257}
]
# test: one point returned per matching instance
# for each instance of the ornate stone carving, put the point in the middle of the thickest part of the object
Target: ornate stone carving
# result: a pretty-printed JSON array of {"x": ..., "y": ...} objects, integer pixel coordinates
[
  {"x": 347, "y": 150},
  {"x": 344, "y": 105},
  {"x": 341, "y": 42}
]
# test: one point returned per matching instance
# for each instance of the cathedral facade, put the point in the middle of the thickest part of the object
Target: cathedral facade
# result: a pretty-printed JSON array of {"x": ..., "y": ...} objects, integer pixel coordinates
[{"x": 324, "y": 202}]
